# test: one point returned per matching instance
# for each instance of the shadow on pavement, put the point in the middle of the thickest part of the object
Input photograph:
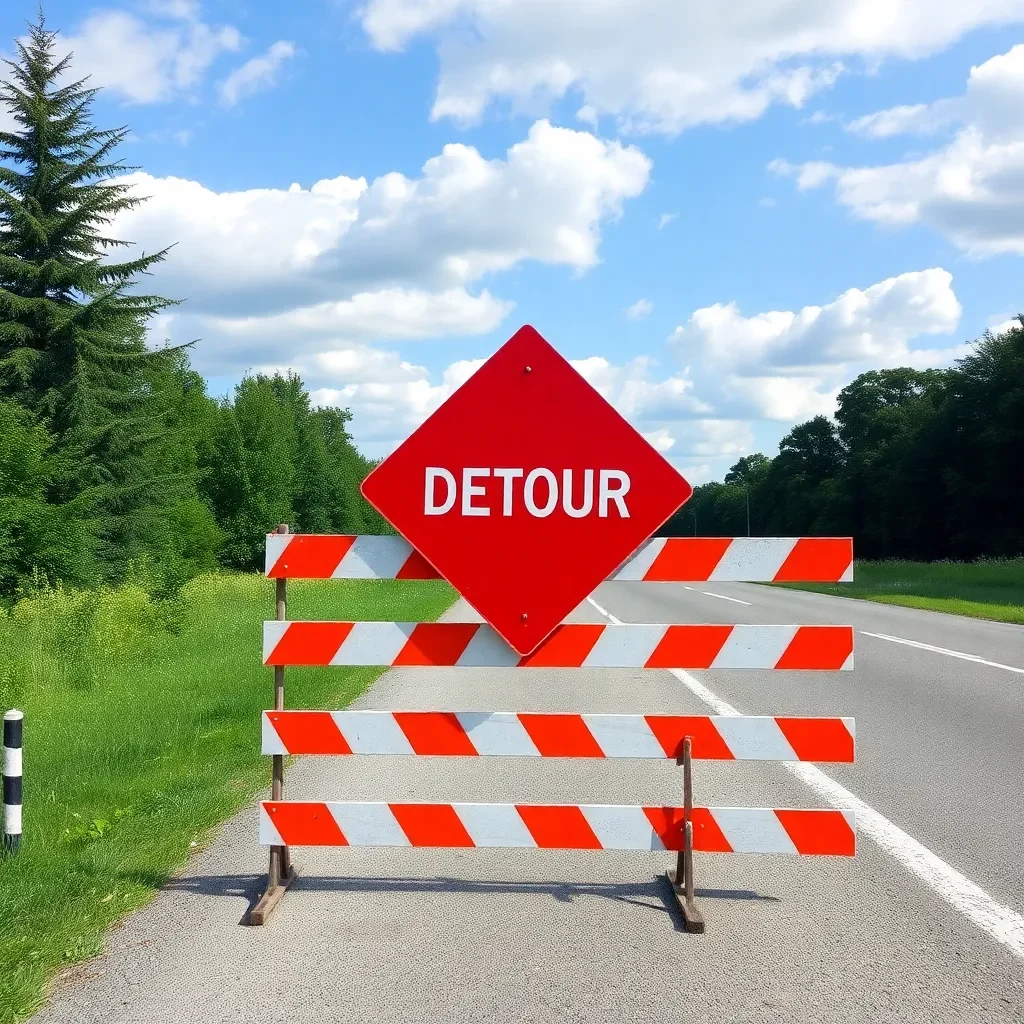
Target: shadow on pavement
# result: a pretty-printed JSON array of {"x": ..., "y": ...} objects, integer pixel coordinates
[{"x": 654, "y": 895}]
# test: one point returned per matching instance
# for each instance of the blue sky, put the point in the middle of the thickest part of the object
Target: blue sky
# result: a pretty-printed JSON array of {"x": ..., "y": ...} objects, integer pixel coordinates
[{"x": 723, "y": 216}]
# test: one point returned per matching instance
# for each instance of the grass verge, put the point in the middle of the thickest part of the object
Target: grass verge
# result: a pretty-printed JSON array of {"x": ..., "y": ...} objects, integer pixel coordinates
[
  {"x": 141, "y": 734},
  {"x": 987, "y": 589}
]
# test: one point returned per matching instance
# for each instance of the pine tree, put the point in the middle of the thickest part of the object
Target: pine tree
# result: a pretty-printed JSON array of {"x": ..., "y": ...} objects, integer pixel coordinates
[{"x": 72, "y": 324}]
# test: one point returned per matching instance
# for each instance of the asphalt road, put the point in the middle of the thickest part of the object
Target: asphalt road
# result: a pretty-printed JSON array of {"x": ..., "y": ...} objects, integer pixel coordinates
[{"x": 926, "y": 924}]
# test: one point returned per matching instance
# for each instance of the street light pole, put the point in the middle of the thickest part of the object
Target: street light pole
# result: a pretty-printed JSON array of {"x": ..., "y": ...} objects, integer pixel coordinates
[
  {"x": 746, "y": 487},
  {"x": 693, "y": 512}
]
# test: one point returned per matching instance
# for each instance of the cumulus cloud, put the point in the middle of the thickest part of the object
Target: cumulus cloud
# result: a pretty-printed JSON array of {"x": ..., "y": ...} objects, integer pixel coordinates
[
  {"x": 873, "y": 324},
  {"x": 1000, "y": 325},
  {"x": 256, "y": 75},
  {"x": 971, "y": 190},
  {"x": 346, "y": 262},
  {"x": 784, "y": 366},
  {"x": 390, "y": 314},
  {"x": 263, "y": 251},
  {"x": 633, "y": 388},
  {"x": 779, "y": 399},
  {"x": 665, "y": 219},
  {"x": 389, "y": 397},
  {"x": 662, "y": 65},
  {"x": 776, "y": 367},
  {"x": 148, "y": 60}
]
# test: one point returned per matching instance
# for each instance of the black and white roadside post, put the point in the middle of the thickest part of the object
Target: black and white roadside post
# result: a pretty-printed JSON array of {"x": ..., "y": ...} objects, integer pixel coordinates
[{"x": 12, "y": 781}]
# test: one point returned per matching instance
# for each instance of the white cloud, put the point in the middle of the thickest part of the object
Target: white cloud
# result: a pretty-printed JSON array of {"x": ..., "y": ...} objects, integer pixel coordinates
[
  {"x": 777, "y": 367},
  {"x": 148, "y": 61},
  {"x": 346, "y": 262},
  {"x": 779, "y": 399},
  {"x": 787, "y": 366},
  {"x": 1000, "y": 325},
  {"x": 665, "y": 219},
  {"x": 389, "y": 397},
  {"x": 695, "y": 472},
  {"x": 264, "y": 251},
  {"x": 874, "y": 324},
  {"x": 774, "y": 367},
  {"x": 663, "y": 65},
  {"x": 811, "y": 174},
  {"x": 660, "y": 439},
  {"x": 639, "y": 309},
  {"x": 632, "y": 389},
  {"x": 714, "y": 439},
  {"x": 971, "y": 190},
  {"x": 919, "y": 119},
  {"x": 667, "y": 411},
  {"x": 390, "y": 314},
  {"x": 256, "y": 75}
]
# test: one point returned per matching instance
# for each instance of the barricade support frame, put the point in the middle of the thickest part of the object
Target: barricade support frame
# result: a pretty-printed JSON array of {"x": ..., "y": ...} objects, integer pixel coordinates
[
  {"x": 281, "y": 872},
  {"x": 681, "y": 880}
]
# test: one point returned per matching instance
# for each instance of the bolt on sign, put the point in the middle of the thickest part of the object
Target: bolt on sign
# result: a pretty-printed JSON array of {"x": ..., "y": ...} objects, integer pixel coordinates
[{"x": 525, "y": 490}]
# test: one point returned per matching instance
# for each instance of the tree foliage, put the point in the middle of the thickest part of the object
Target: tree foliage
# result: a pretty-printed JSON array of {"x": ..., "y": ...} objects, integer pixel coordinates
[
  {"x": 72, "y": 323},
  {"x": 111, "y": 452},
  {"x": 920, "y": 464},
  {"x": 275, "y": 459}
]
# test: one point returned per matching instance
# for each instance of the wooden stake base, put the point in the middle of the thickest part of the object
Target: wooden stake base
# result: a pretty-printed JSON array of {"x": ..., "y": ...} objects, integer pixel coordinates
[
  {"x": 270, "y": 899},
  {"x": 692, "y": 917}
]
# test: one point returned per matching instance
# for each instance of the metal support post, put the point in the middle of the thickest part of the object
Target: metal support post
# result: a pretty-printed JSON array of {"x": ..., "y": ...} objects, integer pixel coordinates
[
  {"x": 282, "y": 872},
  {"x": 681, "y": 879}
]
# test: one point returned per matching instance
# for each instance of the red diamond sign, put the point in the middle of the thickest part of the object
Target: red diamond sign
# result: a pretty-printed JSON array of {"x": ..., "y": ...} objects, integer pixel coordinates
[{"x": 525, "y": 490}]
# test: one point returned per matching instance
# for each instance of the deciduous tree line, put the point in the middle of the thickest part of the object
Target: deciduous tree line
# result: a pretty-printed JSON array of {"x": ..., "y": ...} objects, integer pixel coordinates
[
  {"x": 112, "y": 455},
  {"x": 919, "y": 464}
]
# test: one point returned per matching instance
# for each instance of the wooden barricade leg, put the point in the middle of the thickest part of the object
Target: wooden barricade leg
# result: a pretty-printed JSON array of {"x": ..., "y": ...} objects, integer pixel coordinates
[
  {"x": 282, "y": 872},
  {"x": 681, "y": 879}
]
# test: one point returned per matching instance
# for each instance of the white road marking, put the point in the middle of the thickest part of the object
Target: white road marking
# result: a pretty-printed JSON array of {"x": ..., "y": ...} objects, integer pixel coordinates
[
  {"x": 735, "y": 600},
  {"x": 944, "y": 650},
  {"x": 999, "y": 922},
  {"x": 685, "y": 587}
]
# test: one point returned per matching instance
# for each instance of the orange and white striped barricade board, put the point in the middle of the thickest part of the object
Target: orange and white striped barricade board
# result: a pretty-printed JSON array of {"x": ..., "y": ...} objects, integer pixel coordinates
[
  {"x": 660, "y": 560},
  {"x": 573, "y": 645},
  {"x": 558, "y": 827},
  {"x": 684, "y": 829},
  {"x": 558, "y": 734}
]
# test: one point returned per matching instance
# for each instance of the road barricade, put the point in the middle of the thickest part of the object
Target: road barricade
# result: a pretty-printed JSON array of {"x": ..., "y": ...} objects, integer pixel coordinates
[{"x": 684, "y": 738}]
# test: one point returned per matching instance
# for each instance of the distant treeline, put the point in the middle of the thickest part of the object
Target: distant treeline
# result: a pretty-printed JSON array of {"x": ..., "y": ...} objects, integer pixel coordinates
[
  {"x": 917, "y": 464},
  {"x": 113, "y": 459}
]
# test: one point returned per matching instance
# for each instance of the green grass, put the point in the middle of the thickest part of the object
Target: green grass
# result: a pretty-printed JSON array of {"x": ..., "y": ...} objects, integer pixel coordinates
[
  {"x": 141, "y": 734},
  {"x": 988, "y": 589}
]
